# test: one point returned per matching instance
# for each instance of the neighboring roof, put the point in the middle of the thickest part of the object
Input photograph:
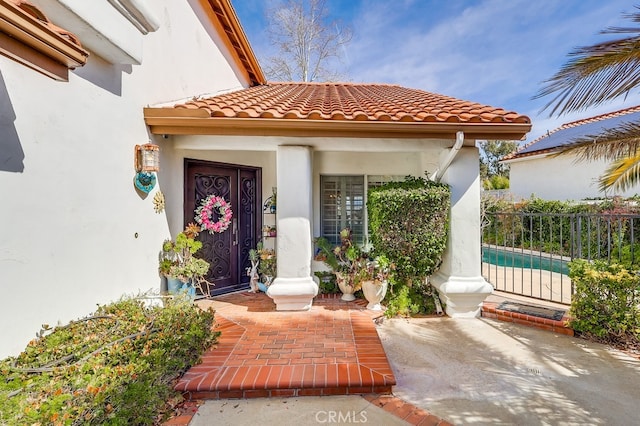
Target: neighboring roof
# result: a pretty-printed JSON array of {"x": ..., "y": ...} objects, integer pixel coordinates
[
  {"x": 27, "y": 36},
  {"x": 224, "y": 18},
  {"x": 337, "y": 109},
  {"x": 568, "y": 132}
]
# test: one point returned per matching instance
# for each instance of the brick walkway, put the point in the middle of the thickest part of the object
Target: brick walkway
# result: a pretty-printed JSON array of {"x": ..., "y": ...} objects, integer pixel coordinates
[{"x": 333, "y": 349}]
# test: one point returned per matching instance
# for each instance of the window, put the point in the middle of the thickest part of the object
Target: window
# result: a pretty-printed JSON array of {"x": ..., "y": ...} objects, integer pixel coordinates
[{"x": 343, "y": 204}]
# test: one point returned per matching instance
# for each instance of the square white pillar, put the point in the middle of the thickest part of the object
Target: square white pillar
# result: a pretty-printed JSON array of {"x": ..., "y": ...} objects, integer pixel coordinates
[
  {"x": 459, "y": 280},
  {"x": 294, "y": 289}
]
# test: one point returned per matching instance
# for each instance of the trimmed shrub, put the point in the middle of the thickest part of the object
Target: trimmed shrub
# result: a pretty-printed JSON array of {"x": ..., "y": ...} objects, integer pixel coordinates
[
  {"x": 606, "y": 304},
  {"x": 409, "y": 224},
  {"x": 115, "y": 367}
]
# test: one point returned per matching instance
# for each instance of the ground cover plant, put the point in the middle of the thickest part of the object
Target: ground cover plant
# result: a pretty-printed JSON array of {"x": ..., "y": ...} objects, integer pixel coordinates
[{"x": 114, "y": 367}]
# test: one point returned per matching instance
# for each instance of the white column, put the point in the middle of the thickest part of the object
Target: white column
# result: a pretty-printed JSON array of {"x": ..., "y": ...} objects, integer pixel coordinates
[
  {"x": 459, "y": 280},
  {"x": 294, "y": 289}
]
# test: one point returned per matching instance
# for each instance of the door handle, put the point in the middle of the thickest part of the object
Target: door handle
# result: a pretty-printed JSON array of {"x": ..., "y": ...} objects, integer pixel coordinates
[{"x": 235, "y": 231}]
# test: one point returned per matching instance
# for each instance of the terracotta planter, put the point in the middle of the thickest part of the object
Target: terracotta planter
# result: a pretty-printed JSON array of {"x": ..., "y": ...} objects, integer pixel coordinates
[
  {"x": 347, "y": 290},
  {"x": 374, "y": 292}
]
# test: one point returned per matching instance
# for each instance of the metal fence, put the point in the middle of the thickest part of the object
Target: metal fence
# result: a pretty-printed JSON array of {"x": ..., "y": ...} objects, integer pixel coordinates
[{"x": 528, "y": 253}]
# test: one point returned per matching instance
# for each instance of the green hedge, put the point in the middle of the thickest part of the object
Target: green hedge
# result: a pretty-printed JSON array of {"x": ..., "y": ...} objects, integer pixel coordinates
[
  {"x": 115, "y": 367},
  {"x": 606, "y": 303},
  {"x": 409, "y": 224}
]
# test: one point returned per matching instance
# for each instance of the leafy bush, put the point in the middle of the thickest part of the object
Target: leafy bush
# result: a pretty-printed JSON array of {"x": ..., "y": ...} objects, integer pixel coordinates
[
  {"x": 409, "y": 224},
  {"x": 114, "y": 367},
  {"x": 606, "y": 303},
  {"x": 327, "y": 282},
  {"x": 627, "y": 255},
  {"x": 496, "y": 182},
  {"x": 408, "y": 301}
]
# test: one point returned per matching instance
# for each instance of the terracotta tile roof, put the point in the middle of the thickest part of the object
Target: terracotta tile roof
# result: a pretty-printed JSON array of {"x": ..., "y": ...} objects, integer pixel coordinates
[
  {"x": 337, "y": 110},
  {"x": 36, "y": 13},
  {"x": 349, "y": 102},
  {"x": 564, "y": 134}
]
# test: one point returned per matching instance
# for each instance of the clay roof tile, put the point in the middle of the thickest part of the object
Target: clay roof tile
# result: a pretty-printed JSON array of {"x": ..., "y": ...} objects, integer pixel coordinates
[{"x": 349, "y": 102}]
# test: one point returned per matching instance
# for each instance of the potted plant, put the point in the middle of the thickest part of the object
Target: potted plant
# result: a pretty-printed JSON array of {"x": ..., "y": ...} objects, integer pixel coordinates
[
  {"x": 267, "y": 266},
  {"x": 270, "y": 204},
  {"x": 374, "y": 279},
  {"x": 183, "y": 270},
  {"x": 355, "y": 269},
  {"x": 348, "y": 262}
]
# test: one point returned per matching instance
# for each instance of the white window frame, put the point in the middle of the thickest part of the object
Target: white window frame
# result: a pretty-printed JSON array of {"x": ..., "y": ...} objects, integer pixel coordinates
[{"x": 369, "y": 181}]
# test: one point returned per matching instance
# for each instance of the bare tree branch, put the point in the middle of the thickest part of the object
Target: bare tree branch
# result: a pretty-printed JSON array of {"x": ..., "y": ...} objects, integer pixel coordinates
[{"x": 307, "y": 41}]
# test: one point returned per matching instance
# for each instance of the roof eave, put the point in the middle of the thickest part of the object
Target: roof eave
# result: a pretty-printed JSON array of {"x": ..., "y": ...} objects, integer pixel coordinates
[
  {"x": 192, "y": 122},
  {"x": 38, "y": 38},
  {"x": 529, "y": 156},
  {"x": 226, "y": 21}
]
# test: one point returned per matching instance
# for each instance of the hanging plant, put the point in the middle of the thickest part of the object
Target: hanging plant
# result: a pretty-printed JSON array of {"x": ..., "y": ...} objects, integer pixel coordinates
[{"x": 205, "y": 214}]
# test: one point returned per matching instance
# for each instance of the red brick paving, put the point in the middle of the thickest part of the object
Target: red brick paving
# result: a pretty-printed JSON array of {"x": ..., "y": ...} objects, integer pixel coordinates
[
  {"x": 333, "y": 349},
  {"x": 490, "y": 310}
]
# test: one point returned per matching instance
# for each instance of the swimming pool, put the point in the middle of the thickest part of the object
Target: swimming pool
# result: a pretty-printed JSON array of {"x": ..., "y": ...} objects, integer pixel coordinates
[{"x": 516, "y": 259}]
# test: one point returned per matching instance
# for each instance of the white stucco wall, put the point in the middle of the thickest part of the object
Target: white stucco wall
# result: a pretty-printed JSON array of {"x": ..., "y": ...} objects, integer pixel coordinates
[
  {"x": 73, "y": 230},
  {"x": 331, "y": 156},
  {"x": 558, "y": 178}
]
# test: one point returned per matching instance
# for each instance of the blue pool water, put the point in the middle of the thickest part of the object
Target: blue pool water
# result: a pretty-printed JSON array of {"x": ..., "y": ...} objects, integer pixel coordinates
[{"x": 523, "y": 260}]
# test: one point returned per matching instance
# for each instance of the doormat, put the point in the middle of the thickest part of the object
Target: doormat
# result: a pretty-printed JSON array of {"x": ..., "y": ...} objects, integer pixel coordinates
[{"x": 534, "y": 311}]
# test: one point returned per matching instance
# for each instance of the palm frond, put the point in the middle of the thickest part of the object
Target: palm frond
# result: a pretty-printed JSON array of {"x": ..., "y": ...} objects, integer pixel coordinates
[
  {"x": 611, "y": 144},
  {"x": 597, "y": 73},
  {"x": 622, "y": 174}
]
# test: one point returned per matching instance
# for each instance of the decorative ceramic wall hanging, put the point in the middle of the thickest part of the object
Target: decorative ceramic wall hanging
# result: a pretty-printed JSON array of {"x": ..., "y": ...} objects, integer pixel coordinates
[{"x": 145, "y": 181}]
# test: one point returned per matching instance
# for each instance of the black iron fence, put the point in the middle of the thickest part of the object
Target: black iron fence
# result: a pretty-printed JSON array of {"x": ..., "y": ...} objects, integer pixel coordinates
[{"x": 528, "y": 253}]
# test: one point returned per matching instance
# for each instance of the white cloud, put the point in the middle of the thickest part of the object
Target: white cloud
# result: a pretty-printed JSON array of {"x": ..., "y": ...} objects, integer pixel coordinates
[{"x": 496, "y": 52}]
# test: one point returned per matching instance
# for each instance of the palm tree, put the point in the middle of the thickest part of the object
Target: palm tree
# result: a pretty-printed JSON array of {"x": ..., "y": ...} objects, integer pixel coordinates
[{"x": 592, "y": 76}]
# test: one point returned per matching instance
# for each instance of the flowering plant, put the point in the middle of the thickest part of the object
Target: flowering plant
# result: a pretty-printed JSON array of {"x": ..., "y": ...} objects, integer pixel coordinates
[
  {"x": 351, "y": 263},
  {"x": 268, "y": 265},
  {"x": 347, "y": 259},
  {"x": 205, "y": 211},
  {"x": 377, "y": 270}
]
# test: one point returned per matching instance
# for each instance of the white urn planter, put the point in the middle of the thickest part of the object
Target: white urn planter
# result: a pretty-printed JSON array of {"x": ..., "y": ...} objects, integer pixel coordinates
[
  {"x": 346, "y": 289},
  {"x": 374, "y": 292}
]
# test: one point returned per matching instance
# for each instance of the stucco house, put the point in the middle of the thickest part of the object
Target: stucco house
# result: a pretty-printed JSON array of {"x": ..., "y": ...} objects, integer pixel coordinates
[
  {"x": 83, "y": 83},
  {"x": 534, "y": 170}
]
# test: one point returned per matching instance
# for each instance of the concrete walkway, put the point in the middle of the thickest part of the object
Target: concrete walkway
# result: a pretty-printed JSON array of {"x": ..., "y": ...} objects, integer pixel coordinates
[
  {"x": 342, "y": 409},
  {"x": 488, "y": 372}
]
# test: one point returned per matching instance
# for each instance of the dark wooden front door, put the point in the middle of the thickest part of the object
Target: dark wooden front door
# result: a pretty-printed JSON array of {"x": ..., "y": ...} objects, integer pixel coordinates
[{"x": 228, "y": 252}]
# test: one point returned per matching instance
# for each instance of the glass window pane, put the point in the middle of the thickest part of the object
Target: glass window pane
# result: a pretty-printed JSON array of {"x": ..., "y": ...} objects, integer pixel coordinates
[{"x": 342, "y": 206}]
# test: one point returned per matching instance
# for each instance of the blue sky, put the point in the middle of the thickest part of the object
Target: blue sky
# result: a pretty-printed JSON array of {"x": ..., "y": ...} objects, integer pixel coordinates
[{"x": 495, "y": 52}]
